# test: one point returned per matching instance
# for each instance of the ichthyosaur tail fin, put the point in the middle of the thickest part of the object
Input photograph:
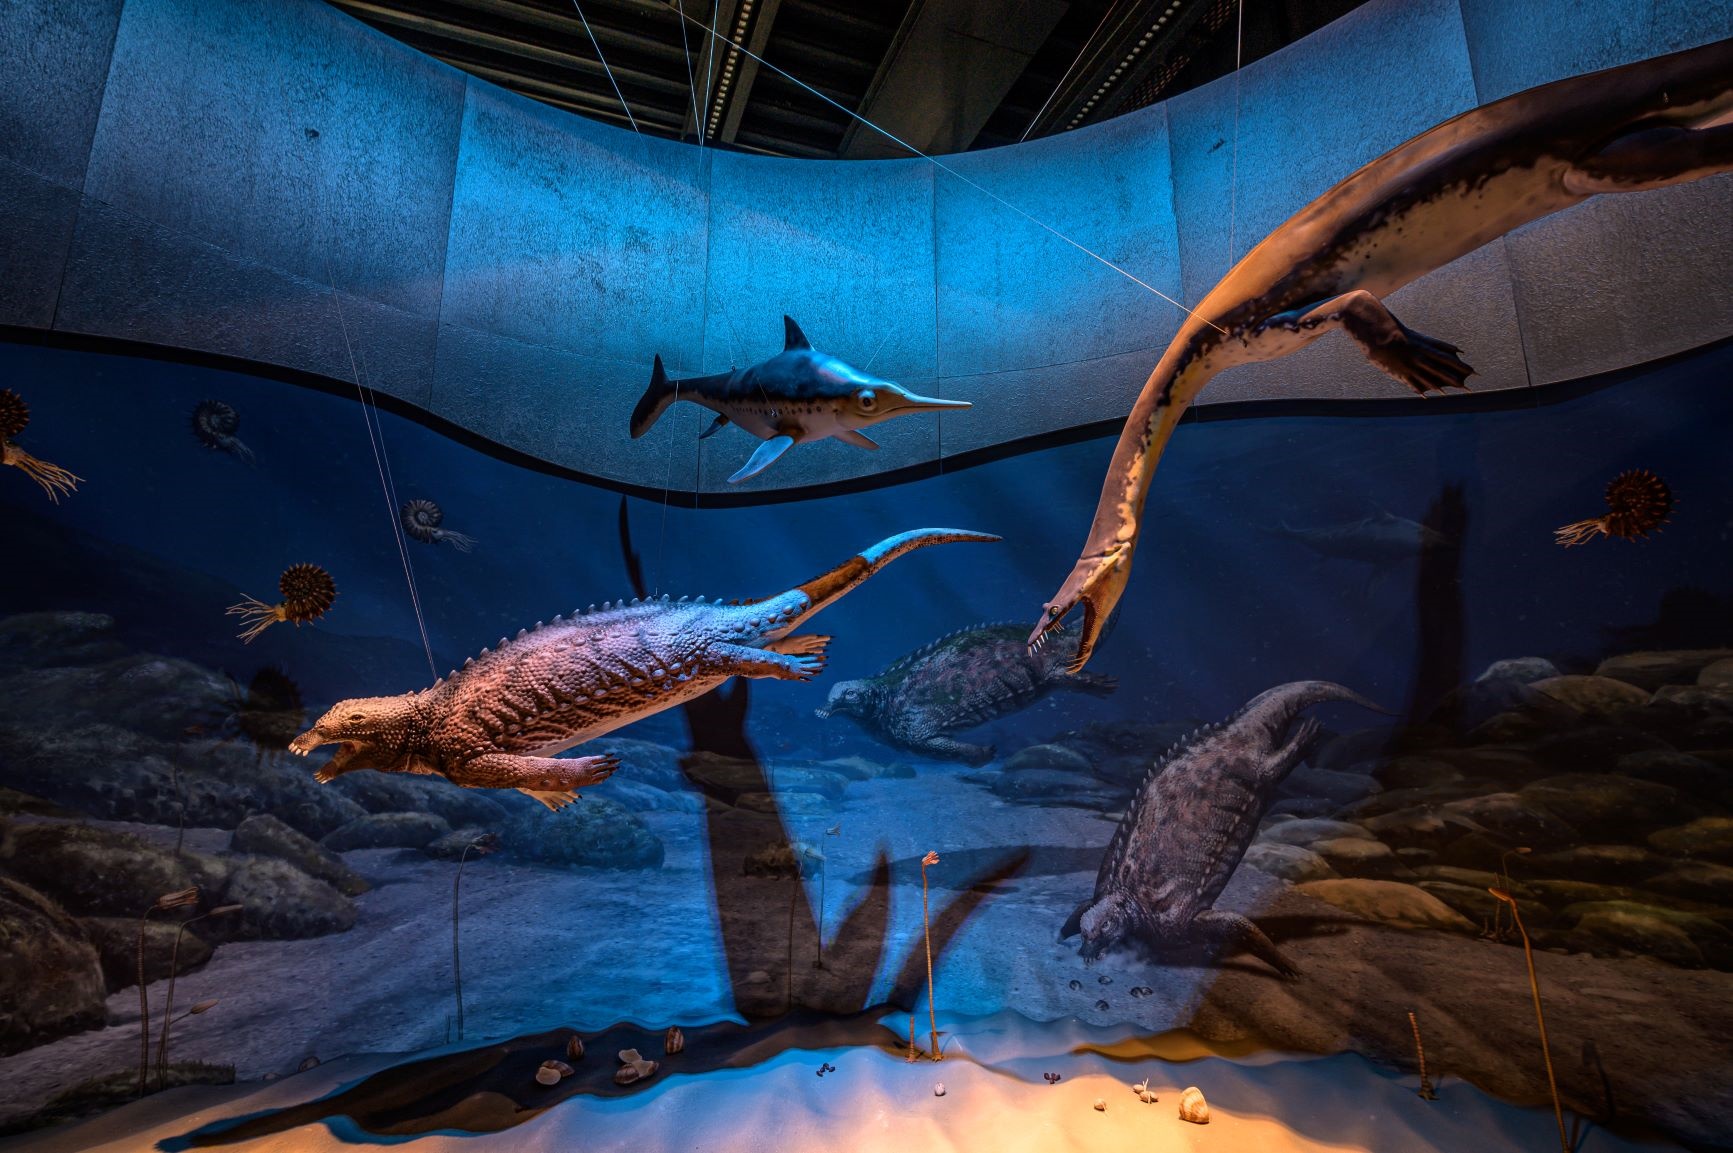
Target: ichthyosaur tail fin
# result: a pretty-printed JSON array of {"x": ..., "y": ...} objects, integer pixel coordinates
[{"x": 654, "y": 402}]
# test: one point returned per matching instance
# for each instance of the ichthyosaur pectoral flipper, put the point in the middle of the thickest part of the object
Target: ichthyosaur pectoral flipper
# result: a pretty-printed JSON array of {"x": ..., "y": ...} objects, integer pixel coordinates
[{"x": 763, "y": 458}]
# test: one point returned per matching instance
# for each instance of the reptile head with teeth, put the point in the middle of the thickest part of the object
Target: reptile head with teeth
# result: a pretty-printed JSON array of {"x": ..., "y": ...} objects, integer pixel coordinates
[
  {"x": 1095, "y": 585},
  {"x": 849, "y": 699},
  {"x": 370, "y": 732}
]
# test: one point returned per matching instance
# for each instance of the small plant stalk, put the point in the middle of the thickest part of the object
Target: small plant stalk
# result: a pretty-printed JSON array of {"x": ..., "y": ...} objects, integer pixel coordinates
[
  {"x": 456, "y": 956},
  {"x": 927, "y": 930},
  {"x": 143, "y": 1007},
  {"x": 1427, "y": 1093},
  {"x": 1539, "y": 1017}
]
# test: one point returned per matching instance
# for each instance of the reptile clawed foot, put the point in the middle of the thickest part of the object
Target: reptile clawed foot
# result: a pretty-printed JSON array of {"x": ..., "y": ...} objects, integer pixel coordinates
[{"x": 1423, "y": 363}]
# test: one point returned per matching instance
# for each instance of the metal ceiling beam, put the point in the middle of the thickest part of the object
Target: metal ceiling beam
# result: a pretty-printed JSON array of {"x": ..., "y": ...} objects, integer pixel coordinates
[
  {"x": 569, "y": 24},
  {"x": 502, "y": 44},
  {"x": 747, "y": 67},
  {"x": 576, "y": 99}
]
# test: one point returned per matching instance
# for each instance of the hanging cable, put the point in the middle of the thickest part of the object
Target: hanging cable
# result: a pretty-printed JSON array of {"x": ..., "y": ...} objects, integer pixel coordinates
[
  {"x": 379, "y": 464},
  {"x": 691, "y": 76},
  {"x": 1081, "y": 52},
  {"x": 630, "y": 119},
  {"x": 952, "y": 172},
  {"x": 1234, "y": 175}
]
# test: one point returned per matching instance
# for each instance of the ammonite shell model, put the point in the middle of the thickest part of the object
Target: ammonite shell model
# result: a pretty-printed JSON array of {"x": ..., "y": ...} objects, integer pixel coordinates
[
  {"x": 308, "y": 592},
  {"x": 14, "y": 414},
  {"x": 421, "y": 518},
  {"x": 214, "y": 423},
  {"x": 1639, "y": 502}
]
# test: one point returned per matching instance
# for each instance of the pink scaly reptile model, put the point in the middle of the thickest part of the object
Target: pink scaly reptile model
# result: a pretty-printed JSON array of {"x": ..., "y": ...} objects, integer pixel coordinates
[{"x": 497, "y": 722}]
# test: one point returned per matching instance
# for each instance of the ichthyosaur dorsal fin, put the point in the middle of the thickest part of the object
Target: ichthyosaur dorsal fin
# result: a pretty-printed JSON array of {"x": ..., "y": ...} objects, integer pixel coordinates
[{"x": 792, "y": 337}]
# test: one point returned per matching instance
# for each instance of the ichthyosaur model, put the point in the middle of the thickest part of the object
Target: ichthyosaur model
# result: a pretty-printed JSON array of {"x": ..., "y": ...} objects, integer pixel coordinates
[
  {"x": 796, "y": 396},
  {"x": 1191, "y": 822},
  {"x": 957, "y": 682},
  {"x": 1420, "y": 206},
  {"x": 497, "y": 722}
]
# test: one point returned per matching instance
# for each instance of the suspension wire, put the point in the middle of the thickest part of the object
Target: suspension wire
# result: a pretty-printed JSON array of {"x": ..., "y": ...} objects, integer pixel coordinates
[
  {"x": 1081, "y": 52},
  {"x": 391, "y": 486},
  {"x": 379, "y": 464},
  {"x": 691, "y": 76},
  {"x": 952, "y": 172},
  {"x": 630, "y": 119},
  {"x": 1234, "y": 176}
]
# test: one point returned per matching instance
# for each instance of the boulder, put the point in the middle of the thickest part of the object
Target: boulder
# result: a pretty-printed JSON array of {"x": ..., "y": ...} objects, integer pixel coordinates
[
  {"x": 593, "y": 832},
  {"x": 155, "y": 696},
  {"x": 1592, "y": 748},
  {"x": 1593, "y": 696},
  {"x": 265, "y": 836},
  {"x": 117, "y": 944},
  {"x": 1389, "y": 902},
  {"x": 1654, "y": 931},
  {"x": 1700, "y": 702},
  {"x": 1522, "y": 670},
  {"x": 1358, "y": 747},
  {"x": 1359, "y": 857},
  {"x": 414, "y": 793},
  {"x": 1420, "y": 827},
  {"x": 1516, "y": 818},
  {"x": 1508, "y": 728},
  {"x": 478, "y": 841},
  {"x": 1338, "y": 787},
  {"x": 280, "y": 902},
  {"x": 57, "y": 640},
  {"x": 1474, "y": 902},
  {"x": 863, "y": 769},
  {"x": 1707, "y": 838},
  {"x": 1304, "y": 831},
  {"x": 1505, "y": 766},
  {"x": 1696, "y": 881},
  {"x": 1481, "y": 879},
  {"x": 1650, "y": 670},
  {"x": 386, "y": 831},
  {"x": 100, "y": 872},
  {"x": 1049, "y": 758},
  {"x": 727, "y": 778},
  {"x": 1602, "y": 864},
  {"x": 1289, "y": 862},
  {"x": 51, "y": 981},
  {"x": 1692, "y": 774},
  {"x": 1478, "y": 850},
  {"x": 786, "y": 804},
  {"x": 642, "y": 798},
  {"x": 1717, "y": 674},
  {"x": 1606, "y": 805},
  {"x": 1469, "y": 706}
]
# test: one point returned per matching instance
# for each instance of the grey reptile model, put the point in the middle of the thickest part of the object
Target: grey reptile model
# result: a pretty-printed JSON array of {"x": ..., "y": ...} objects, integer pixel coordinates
[
  {"x": 957, "y": 682},
  {"x": 1189, "y": 825},
  {"x": 497, "y": 722},
  {"x": 1418, "y": 207}
]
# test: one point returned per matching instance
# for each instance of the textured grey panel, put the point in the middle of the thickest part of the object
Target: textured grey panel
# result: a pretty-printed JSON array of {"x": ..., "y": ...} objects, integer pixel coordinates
[
  {"x": 1520, "y": 45},
  {"x": 53, "y": 59},
  {"x": 862, "y": 291},
  {"x": 204, "y": 130},
  {"x": 136, "y": 280},
  {"x": 1467, "y": 302},
  {"x": 1621, "y": 279},
  {"x": 1625, "y": 279},
  {"x": 43, "y": 213},
  {"x": 576, "y": 236},
  {"x": 1309, "y": 115},
  {"x": 1013, "y": 296},
  {"x": 1023, "y": 402}
]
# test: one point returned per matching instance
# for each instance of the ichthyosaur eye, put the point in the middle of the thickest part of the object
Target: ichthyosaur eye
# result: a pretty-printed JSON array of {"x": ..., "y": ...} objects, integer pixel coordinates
[{"x": 866, "y": 399}]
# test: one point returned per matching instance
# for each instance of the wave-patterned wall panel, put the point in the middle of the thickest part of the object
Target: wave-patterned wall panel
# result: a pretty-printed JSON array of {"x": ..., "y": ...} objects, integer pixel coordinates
[{"x": 280, "y": 184}]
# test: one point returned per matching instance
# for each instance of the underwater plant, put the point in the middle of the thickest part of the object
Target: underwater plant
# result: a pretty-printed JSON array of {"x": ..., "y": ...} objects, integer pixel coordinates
[
  {"x": 422, "y": 520},
  {"x": 169, "y": 997},
  {"x": 1638, "y": 503},
  {"x": 179, "y": 899},
  {"x": 1426, "y": 1091},
  {"x": 931, "y": 858},
  {"x": 308, "y": 592},
  {"x": 1503, "y": 895},
  {"x": 215, "y": 424},
  {"x": 14, "y": 418},
  {"x": 481, "y": 846}
]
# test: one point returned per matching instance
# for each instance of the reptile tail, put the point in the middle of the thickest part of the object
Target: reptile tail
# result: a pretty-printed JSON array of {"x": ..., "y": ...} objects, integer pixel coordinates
[
  {"x": 838, "y": 582},
  {"x": 1275, "y": 708},
  {"x": 654, "y": 402}
]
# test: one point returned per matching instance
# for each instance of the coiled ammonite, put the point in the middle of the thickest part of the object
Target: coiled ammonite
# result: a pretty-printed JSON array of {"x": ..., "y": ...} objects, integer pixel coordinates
[
  {"x": 14, "y": 418},
  {"x": 422, "y": 520},
  {"x": 308, "y": 591},
  {"x": 215, "y": 424},
  {"x": 1638, "y": 503}
]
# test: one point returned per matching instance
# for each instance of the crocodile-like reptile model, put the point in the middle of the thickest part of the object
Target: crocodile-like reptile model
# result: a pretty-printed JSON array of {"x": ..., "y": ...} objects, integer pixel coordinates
[
  {"x": 1192, "y": 820},
  {"x": 497, "y": 722},
  {"x": 1420, "y": 206},
  {"x": 957, "y": 682}
]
